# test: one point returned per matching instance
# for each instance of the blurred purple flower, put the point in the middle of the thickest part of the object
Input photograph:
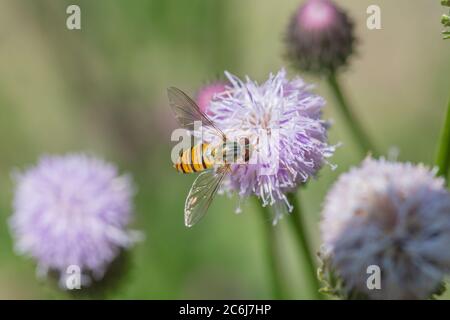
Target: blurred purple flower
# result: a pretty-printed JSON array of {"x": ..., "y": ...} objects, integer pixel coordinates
[
  {"x": 207, "y": 93},
  {"x": 72, "y": 210},
  {"x": 282, "y": 120},
  {"x": 319, "y": 37},
  {"x": 392, "y": 215}
]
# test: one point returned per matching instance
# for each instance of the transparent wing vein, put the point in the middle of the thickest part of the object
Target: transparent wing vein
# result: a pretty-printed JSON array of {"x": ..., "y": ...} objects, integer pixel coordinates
[
  {"x": 200, "y": 196},
  {"x": 187, "y": 111}
]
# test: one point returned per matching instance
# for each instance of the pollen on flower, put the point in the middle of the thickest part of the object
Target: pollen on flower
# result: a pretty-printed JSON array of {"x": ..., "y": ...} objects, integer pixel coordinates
[
  {"x": 281, "y": 119},
  {"x": 392, "y": 215},
  {"x": 72, "y": 210}
]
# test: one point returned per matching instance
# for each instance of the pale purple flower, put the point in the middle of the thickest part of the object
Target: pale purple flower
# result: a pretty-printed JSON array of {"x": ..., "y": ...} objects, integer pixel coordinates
[
  {"x": 319, "y": 37},
  {"x": 392, "y": 215},
  {"x": 282, "y": 120},
  {"x": 72, "y": 210}
]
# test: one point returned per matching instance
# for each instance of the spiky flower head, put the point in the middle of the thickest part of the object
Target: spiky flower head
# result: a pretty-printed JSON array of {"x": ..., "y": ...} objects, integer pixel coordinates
[
  {"x": 320, "y": 37},
  {"x": 207, "y": 93},
  {"x": 72, "y": 210},
  {"x": 282, "y": 120},
  {"x": 391, "y": 215}
]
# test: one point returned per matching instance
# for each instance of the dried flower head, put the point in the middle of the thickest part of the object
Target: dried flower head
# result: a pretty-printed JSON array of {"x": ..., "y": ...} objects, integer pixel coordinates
[
  {"x": 282, "y": 120},
  {"x": 320, "y": 37},
  {"x": 392, "y": 215},
  {"x": 72, "y": 210}
]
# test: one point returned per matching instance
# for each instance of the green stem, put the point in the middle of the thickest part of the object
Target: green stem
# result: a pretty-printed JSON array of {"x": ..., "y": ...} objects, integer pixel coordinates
[
  {"x": 363, "y": 141},
  {"x": 271, "y": 249},
  {"x": 443, "y": 153},
  {"x": 299, "y": 227}
]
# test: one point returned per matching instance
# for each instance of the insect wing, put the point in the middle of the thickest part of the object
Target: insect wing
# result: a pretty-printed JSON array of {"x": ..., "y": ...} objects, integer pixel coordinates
[
  {"x": 187, "y": 111},
  {"x": 201, "y": 195}
]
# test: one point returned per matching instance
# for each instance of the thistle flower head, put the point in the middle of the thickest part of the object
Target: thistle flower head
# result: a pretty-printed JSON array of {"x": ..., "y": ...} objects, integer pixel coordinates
[
  {"x": 319, "y": 37},
  {"x": 392, "y": 215},
  {"x": 282, "y": 120},
  {"x": 207, "y": 93},
  {"x": 72, "y": 210}
]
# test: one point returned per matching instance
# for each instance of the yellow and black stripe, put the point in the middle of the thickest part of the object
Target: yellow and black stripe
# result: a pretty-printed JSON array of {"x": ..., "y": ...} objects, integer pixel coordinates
[{"x": 195, "y": 159}]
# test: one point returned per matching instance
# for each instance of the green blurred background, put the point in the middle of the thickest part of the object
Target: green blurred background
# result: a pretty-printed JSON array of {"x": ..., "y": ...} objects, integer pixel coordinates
[{"x": 102, "y": 90}]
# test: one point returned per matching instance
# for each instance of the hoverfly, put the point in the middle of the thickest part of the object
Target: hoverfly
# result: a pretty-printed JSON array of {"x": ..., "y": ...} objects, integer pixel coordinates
[{"x": 213, "y": 161}]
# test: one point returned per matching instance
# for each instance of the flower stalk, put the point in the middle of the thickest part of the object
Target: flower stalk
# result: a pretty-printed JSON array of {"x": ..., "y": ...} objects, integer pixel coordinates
[
  {"x": 364, "y": 143},
  {"x": 299, "y": 228},
  {"x": 443, "y": 152},
  {"x": 278, "y": 291}
]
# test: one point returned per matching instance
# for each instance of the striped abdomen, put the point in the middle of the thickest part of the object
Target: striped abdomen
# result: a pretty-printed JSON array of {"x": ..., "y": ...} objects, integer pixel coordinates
[{"x": 196, "y": 159}]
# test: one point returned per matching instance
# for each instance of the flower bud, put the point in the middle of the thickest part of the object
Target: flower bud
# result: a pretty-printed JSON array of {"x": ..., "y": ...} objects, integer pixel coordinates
[{"x": 320, "y": 37}]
